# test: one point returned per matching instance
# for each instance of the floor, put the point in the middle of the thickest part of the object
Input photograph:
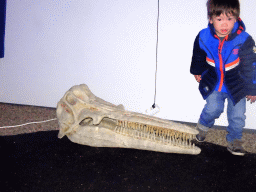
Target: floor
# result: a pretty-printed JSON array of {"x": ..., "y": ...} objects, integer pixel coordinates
[{"x": 41, "y": 162}]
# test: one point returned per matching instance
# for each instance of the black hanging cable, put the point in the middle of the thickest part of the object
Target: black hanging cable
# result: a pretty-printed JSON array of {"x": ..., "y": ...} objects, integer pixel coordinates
[{"x": 154, "y": 105}]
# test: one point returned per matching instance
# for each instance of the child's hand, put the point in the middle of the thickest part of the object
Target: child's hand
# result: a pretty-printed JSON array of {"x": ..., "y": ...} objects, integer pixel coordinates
[
  {"x": 198, "y": 78},
  {"x": 252, "y": 98}
]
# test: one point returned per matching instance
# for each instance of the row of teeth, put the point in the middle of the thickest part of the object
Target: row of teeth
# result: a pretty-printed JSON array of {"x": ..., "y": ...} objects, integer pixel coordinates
[{"x": 154, "y": 133}]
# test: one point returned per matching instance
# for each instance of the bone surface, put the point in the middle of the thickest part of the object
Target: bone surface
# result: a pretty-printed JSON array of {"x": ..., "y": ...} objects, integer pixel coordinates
[{"x": 89, "y": 120}]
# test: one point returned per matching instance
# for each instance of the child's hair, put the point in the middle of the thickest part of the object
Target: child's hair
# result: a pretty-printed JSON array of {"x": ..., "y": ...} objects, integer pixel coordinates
[{"x": 217, "y": 7}]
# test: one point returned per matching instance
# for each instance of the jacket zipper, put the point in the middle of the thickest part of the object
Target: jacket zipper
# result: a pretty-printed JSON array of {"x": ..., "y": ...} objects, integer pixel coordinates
[{"x": 221, "y": 63}]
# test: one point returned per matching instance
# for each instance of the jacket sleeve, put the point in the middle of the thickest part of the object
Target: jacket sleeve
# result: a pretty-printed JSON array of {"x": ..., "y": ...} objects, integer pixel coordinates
[
  {"x": 198, "y": 64},
  {"x": 248, "y": 64}
]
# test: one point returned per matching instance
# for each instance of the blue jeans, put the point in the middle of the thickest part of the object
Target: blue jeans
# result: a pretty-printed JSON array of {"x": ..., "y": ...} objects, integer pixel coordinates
[{"x": 213, "y": 109}]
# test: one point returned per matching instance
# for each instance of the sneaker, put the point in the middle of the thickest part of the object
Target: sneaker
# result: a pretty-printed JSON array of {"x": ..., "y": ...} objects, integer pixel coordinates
[
  {"x": 236, "y": 148},
  {"x": 201, "y": 136}
]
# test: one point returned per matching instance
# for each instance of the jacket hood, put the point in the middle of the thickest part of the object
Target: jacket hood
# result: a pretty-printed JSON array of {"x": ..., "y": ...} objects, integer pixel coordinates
[{"x": 239, "y": 27}]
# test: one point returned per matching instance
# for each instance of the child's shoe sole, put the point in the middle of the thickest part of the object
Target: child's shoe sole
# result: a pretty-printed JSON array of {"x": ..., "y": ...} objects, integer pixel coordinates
[{"x": 240, "y": 153}]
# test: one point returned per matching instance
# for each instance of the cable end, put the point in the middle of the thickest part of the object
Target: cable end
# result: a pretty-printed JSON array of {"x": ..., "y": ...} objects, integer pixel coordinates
[{"x": 153, "y": 110}]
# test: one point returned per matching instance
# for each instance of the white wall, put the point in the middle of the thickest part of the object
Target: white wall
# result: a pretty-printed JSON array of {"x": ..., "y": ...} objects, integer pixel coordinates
[{"x": 110, "y": 45}]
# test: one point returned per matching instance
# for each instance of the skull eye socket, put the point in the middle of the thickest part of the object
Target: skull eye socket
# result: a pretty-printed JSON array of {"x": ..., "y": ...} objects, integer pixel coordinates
[
  {"x": 87, "y": 121},
  {"x": 81, "y": 95},
  {"x": 71, "y": 99}
]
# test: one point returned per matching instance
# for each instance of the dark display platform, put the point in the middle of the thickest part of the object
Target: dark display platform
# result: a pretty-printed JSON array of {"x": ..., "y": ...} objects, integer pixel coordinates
[{"x": 42, "y": 162}]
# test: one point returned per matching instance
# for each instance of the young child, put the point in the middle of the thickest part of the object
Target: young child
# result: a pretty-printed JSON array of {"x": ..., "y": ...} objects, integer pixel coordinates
[{"x": 224, "y": 64}]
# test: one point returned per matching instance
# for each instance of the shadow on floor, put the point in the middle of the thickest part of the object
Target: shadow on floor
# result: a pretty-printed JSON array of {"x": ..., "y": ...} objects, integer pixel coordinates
[{"x": 42, "y": 162}]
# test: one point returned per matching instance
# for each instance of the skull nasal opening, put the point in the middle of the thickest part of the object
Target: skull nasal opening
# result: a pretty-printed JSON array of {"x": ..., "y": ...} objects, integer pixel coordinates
[{"x": 87, "y": 121}]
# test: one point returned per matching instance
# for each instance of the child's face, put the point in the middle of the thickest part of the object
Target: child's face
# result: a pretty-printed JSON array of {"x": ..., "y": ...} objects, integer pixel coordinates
[{"x": 223, "y": 24}]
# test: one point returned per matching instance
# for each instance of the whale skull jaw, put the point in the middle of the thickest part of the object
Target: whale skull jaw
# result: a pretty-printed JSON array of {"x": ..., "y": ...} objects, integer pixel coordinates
[{"x": 89, "y": 120}]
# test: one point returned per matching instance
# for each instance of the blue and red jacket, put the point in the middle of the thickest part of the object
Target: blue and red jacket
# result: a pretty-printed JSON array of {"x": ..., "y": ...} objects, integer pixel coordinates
[{"x": 225, "y": 66}]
